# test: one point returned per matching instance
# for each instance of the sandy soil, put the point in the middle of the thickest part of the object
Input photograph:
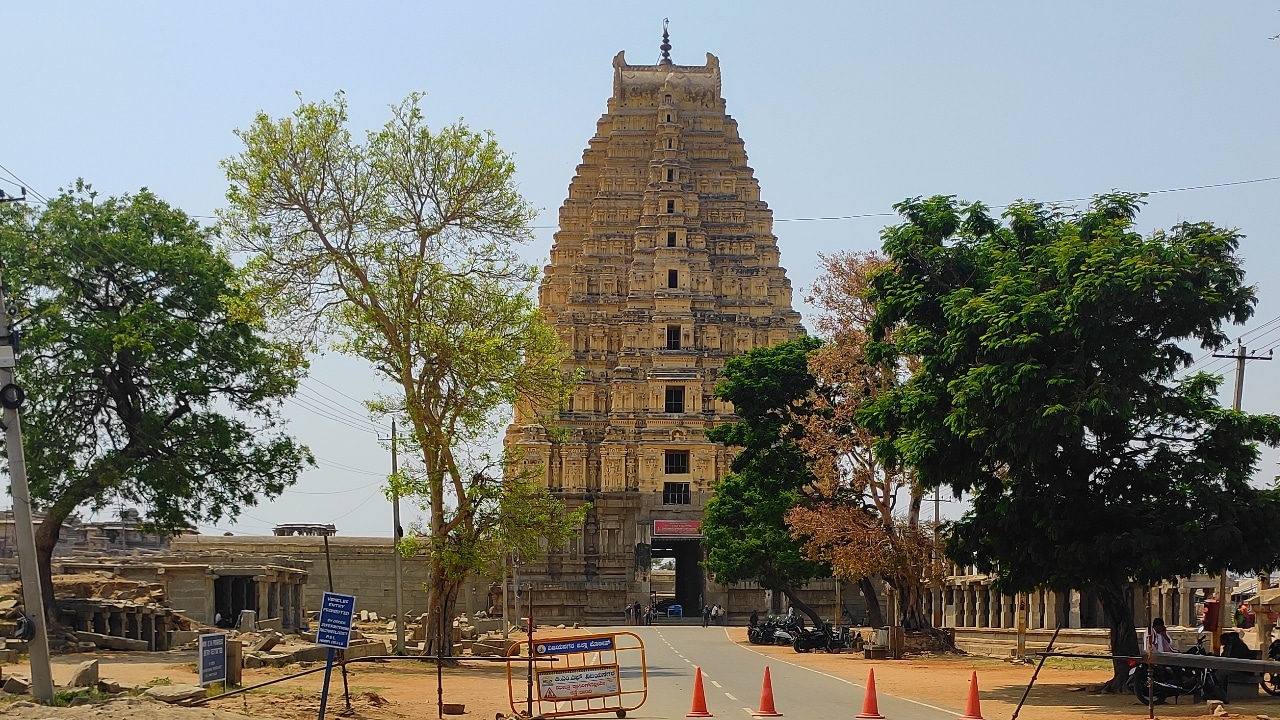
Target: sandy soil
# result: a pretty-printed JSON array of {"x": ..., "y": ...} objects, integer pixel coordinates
[
  {"x": 394, "y": 690},
  {"x": 1066, "y": 687}
]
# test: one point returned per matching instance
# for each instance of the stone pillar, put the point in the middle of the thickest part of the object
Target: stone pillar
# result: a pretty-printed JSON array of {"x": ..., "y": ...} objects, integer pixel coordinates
[
  {"x": 1052, "y": 604},
  {"x": 1073, "y": 612},
  {"x": 1185, "y": 608},
  {"x": 149, "y": 629},
  {"x": 997, "y": 609},
  {"x": 1008, "y": 611},
  {"x": 950, "y": 616},
  {"x": 939, "y": 609},
  {"x": 982, "y": 606}
]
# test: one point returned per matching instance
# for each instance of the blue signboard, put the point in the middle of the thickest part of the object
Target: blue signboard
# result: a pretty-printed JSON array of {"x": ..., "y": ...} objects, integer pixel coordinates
[
  {"x": 562, "y": 647},
  {"x": 335, "y": 620},
  {"x": 213, "y": 658}
]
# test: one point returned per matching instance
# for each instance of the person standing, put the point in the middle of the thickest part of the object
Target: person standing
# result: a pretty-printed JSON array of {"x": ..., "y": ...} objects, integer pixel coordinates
[
  {"x": 755, "y": 617},
  {"x": 706, "y": 615}
]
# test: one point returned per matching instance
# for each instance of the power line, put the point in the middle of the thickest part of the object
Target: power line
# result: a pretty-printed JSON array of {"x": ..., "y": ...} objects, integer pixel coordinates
[
  {"x": 354, "y": 400},
  {"x": 333, "y": 492},
  {"x": 347, "y": 468},
  {"x": 856, "y": 216},
  {"x": 362, "y": 504},
  {"x": 24, "y": 184},
  {"x": 331, "y": 406}
]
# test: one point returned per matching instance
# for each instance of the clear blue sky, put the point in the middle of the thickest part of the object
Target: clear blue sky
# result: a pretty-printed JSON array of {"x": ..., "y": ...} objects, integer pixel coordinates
[{"x": 845, "y": 108}]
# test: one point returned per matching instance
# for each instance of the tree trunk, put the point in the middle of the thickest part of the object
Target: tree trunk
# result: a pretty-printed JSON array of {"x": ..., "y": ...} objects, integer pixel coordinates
[
  {"x": 804, "y": 607},
  {"x": 911, "y": 604},
  {"x": 875, "y": 617},
  {"x": 47, "y": 533},
  {"x": 1124, "y": 635}
]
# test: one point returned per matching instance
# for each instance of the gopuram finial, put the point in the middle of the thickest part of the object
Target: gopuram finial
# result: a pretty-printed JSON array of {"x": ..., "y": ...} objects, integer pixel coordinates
[{"x": 666, "y": 45}]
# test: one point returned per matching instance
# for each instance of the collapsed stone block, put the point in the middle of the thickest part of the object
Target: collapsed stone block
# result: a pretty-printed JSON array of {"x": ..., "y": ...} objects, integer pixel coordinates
[{"x": 85, "y": 675}]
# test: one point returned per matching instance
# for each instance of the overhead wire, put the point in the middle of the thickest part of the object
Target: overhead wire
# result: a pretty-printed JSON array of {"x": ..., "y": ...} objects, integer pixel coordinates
[
  {"x": 364, "y": 502},
  {"x": 339, "y": 466}
]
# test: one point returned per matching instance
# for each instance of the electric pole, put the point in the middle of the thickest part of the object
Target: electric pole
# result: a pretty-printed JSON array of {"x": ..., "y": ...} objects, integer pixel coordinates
[
  {"x": 397, "y": 533},
  {"x": 11, "y": 397},
  {"x": 1241, "y": 355}
]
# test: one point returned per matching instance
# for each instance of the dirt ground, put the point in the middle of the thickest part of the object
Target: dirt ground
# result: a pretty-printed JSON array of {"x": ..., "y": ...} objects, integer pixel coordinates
[
  {"x": 1066, "y": 687},
  {"x": 394, "y": 690}
]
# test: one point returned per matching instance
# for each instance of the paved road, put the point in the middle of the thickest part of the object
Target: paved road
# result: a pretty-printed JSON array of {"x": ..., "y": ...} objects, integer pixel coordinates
[{"x": 732, "y": 677}]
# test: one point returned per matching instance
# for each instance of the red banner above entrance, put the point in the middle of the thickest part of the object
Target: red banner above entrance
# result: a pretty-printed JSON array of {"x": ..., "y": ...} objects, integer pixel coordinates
[{"x": 677, "y": 528}]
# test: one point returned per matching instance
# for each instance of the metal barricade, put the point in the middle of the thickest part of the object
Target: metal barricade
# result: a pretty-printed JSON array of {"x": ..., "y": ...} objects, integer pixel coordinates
[{"x": 598, "y": 673}]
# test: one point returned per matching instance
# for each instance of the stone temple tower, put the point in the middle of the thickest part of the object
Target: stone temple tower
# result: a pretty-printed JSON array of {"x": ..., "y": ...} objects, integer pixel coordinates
[{"x": 664, "y": 266}]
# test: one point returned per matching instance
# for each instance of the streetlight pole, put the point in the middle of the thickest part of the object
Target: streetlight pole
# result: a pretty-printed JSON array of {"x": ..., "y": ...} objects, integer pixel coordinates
[
  {"x": 32, "y": 599},
  {"x": 396, "y": 533}
]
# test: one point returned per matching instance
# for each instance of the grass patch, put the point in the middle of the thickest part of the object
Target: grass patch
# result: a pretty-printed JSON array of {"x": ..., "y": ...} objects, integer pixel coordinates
[
  {"x": 155, "y": 681},
  {"x": 63, "y": 698},
  {"x": 1065, "y": 663}
]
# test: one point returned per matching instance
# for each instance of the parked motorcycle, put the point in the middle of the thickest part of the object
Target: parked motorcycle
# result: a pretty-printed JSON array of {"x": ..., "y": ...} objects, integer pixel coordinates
[
  {"x": 1271, "y": 681},
  {"x": 1171, "y": 681},
  {"x": 762, "y": 633},
  {"x": 823, "y": 638},
  {"x": 787, "y": 631}
]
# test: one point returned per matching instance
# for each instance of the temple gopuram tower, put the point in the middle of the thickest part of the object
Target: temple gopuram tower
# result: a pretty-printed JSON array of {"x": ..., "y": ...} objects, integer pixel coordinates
[{"x": 664, "y": 266}]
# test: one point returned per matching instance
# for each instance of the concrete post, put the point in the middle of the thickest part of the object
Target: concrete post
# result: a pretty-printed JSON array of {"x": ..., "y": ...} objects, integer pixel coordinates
[{"x": 1264, "y": 617}]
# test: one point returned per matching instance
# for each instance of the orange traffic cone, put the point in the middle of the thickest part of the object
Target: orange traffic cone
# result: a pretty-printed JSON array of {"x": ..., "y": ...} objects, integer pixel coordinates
[
  {"x": 766, "y": 699},
  {"x": 870, "y": 706},
  {"x": 699, "y": 699},
  {"x": 972, "y": 709}
]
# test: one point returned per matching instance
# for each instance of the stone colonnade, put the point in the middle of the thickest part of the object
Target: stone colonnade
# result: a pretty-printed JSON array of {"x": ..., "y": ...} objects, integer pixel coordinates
[
  {"x": 976, "y": 604},
  {"x": 970, "y": 601},
  {"x": 280, "y": 596},
  {"x": 149, "y": 623}
]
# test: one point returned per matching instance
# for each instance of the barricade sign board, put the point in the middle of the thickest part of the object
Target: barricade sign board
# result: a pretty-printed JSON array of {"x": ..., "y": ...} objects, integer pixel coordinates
[
  {"x": 579, "y": 683},
  {"x": 576, "y": 645},
  {"x": 578, "y": 675},
  {"x": 336, "y": 612},
  {"x": 213, "y": 658}
]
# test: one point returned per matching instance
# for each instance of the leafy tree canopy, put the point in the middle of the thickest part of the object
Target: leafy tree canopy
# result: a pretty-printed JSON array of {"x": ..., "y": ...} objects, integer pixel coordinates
[
  {"x": 150, "y": 381},
  {"x": 743, "y": 523},
  {"x": 1049, "y": 348},
  {"x": 400, "y": 249}
]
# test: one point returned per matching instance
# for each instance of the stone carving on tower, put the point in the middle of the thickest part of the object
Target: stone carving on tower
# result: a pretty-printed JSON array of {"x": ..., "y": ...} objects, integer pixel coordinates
[{"x": 664, "y": 266}]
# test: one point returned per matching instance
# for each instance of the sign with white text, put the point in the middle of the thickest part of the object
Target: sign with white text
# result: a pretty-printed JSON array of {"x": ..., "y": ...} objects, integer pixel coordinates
[
  {"x": 336, "y": 612},
  {"x": 213, "y": 658},
  {"x": 574, "y": 645}
]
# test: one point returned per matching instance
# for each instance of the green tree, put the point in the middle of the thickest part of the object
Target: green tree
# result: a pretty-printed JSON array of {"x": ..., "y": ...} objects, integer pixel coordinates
[
  {"x": 149, "y": 380},
  {"x": 744, "y": 529},
  {"x": 1050, "y": 347},
  {"x": 400, "y": 250}
]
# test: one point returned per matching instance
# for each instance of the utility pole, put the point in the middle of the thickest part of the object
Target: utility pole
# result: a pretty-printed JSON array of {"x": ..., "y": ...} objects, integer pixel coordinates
[
  {"x": 1241, "y": 355},
  {"x": 397, "y": 533},
  {"x": 11, "y": 397}
]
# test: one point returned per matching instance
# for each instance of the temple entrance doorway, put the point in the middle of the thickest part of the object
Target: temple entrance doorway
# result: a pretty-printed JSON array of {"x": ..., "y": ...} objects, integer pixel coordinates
[{"x": 676, "y": 576}]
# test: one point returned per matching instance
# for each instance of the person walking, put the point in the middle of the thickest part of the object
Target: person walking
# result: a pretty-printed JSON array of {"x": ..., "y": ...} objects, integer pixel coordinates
[{"x": 706, "y": 615}]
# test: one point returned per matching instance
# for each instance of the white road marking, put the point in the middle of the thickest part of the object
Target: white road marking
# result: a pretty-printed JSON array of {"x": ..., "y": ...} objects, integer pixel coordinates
[
  {"x": 731, "y": 697},
  {"x": 713, "y": 682},
  {"x": 749, "y": 711},
  {"x": 833, "y": 677}
]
